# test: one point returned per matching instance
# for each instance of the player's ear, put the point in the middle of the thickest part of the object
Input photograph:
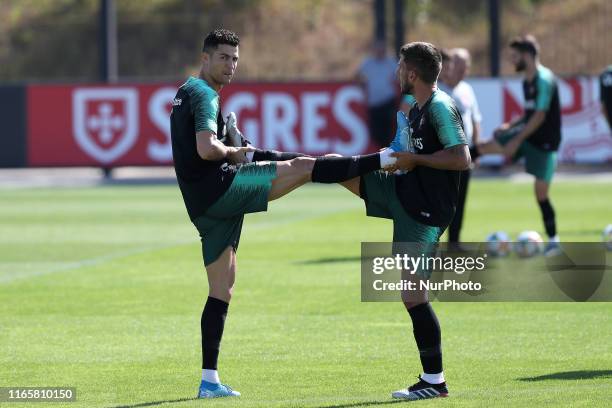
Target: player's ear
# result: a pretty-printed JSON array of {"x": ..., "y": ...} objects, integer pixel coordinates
[{"x": 205, "y": 58}]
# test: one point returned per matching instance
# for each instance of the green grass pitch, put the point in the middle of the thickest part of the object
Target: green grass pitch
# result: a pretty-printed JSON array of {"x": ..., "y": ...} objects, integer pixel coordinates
[{"x": 102, "y": 289}]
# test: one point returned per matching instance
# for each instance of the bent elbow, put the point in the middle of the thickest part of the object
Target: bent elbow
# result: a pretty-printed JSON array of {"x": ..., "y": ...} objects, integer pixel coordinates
[
  {"x": 463, "y": 163},
  {"x": 205, "y": 154},
  {"x": 465, "y": 160}
]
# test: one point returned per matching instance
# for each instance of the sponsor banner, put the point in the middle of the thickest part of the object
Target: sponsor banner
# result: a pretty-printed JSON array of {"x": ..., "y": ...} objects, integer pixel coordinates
[
  {"x": 118, "y": 125},
  {"x": 99, "y": 125},
  {"x": 129, "y": 125}
]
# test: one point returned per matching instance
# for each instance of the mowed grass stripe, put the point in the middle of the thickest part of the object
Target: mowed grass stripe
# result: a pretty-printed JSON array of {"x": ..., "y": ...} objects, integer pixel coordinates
[{"x": 125, "y": 331}]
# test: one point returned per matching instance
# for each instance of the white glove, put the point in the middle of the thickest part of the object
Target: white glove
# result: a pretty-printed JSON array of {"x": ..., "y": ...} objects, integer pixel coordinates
[{"x": 232, "y": 130}]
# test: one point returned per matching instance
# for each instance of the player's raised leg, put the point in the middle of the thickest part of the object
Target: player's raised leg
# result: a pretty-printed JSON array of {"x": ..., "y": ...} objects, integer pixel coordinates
[
  {"x": 330, "y": 169},
  {"x": 353, "y": 185},
  {"x": 296, "y": 169}
]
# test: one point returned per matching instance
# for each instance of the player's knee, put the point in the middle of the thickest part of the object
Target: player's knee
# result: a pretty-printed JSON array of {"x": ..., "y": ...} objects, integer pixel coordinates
[
  {"x": 414, "y": 298},
  {"x": 223, "y": 292},
  {"x": 410, "y": 304},
  {"x": 541, "y": 191}
]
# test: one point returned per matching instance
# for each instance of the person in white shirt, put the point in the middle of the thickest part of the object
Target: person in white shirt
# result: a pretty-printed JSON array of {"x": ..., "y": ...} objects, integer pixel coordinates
[{"x": 465, "y": 99}]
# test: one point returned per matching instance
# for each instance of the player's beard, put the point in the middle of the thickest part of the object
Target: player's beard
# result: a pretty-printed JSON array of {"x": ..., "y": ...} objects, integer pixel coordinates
[
  {"x": 222, "y": 79},
  {"x": 520, "y": 66},
  {"x": 407, "y": 88}
]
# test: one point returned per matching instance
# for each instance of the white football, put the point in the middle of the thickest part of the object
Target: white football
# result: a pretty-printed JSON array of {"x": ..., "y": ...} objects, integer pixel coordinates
[
  {"x": 528, "y": 243},
  {"x": 498, "y": 244},
  {"x": 607, "y": 237}
]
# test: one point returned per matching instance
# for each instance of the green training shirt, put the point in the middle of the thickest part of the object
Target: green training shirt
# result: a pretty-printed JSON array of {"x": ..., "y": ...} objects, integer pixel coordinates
[
  {"x": 541, "y": 93},
  {"x": 196, "y": 108},
  {"x": 430, "y": 195}
]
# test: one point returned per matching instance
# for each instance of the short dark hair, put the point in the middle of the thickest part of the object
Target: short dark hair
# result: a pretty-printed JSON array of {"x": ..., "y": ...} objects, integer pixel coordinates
[
  {"x": 425, "y": 58},
  {"x": 526, "y": 43},
  {"x": 218, "y": 37}
]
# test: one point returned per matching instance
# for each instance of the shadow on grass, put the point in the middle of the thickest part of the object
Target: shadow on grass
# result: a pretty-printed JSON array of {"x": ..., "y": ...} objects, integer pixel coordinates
[
  {"x": 352, "y": 405},
  {"x": 362, "y": 404},
  {"x": 153, "y": 403},
  {"x": 571, "y": 375},
  {"x": 331, "y": 260}
]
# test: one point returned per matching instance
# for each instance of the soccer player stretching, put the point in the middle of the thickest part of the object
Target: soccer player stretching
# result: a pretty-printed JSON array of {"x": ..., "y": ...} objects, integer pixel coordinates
[
  {"x": 431, "y": 151},
  {"x": 537, "y": 134},
  {"x": 219, "y": 185}
]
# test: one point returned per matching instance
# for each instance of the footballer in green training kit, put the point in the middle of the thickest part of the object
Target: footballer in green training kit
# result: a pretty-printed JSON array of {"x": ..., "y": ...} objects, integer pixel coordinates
[
  {"x": 222, "y": 177},
  {"x": 431, "y": 151},
  {"x": 536, "y": 135}
]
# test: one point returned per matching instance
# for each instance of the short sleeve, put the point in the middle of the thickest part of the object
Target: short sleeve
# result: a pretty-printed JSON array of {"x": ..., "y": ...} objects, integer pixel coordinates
[
  {"x": 205, "y": 106},
  {"x": 447, "y": 122},
  {"x": 545, "y": 85}
]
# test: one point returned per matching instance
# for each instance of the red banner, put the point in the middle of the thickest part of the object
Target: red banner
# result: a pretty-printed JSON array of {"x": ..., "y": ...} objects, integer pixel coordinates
[{"x": 129, "y": 124}]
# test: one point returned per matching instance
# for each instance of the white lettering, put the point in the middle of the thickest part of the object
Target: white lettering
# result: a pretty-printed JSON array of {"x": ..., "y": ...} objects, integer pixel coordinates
[
  {"x": 350, "y": 121},
  {"x": 158, "y": 112},
  {"x": 238, "y": 102},
  {"x": 313, "y": 122},
  {"x": 279, "y": 118}
]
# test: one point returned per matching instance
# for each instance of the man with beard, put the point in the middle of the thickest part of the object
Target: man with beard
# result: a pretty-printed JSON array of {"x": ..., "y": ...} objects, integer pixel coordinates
[
  {"x": 431, "y": 152},
  {"x": 444, "y": 79},
  {"x": 537, "y": 134}
]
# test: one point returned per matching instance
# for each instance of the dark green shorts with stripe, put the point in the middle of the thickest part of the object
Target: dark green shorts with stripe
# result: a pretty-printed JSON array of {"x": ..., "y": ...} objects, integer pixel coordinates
[
  {"x": 538, "y": 162},
  {"x": 378, "y": 192},
  {"x": 221, "y": 225}
]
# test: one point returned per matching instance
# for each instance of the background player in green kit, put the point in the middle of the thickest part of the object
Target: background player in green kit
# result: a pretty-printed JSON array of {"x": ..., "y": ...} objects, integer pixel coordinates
[
  {"x": 537, "y": 134},
  {"x": 431, "y": 151},
  {"x": 605, "y": 94},
  {"x": 219, "y": 185}
]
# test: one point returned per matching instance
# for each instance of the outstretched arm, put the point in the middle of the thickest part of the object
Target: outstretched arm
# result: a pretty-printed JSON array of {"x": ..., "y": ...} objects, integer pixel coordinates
[{"x": 454, "y": 158}]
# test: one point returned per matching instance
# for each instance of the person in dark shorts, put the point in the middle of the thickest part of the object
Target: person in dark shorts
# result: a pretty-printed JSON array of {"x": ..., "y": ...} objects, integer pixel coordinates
[
  {"x": 536, "y": 135},
  {"x": 419, "y": 193},
  {"x": 222, "y": 178}
]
